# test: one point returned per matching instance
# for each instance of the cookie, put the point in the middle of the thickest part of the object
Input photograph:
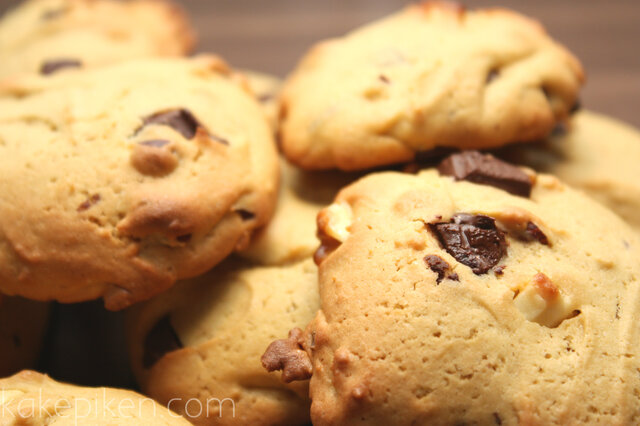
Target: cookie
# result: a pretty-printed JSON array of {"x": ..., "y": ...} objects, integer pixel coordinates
[
  {"x": 291, "y": 234},
  {"x": 22, "y": 327},
  {"x": 121, "y": 180},
  {"x": 594, "y": 153},
  {"x": 45, "y": 36},
  {"x": 446, "y": 301},
  {"x": 430, "y": 76},
  {"x": 204, "y": 338},
  {"x": 35, "y": 399},
  {"x": 266, "y": 89}
]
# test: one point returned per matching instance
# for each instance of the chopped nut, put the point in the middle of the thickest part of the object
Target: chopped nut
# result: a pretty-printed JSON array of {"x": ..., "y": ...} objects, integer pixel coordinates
[{"x": 541, "y": 301}]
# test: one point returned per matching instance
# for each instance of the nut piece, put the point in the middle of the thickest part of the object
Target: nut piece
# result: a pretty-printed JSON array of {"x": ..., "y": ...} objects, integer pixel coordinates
[
  {"x": 333, "y": 229},
  {"x": 287, "y": 355},
  {"x": 542, "y": 302}
]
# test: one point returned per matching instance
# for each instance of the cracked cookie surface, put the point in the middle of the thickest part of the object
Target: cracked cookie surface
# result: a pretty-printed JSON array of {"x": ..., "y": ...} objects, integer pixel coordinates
[
  {"x": 44, "y": 36},
  {"x": 118, "y": 181},
  {"x": 450, "y": 302},
  {"x": 432, "y": 75}
]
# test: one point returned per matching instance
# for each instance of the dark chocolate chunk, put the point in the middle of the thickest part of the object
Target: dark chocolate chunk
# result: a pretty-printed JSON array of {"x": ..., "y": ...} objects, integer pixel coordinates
[
  {"x": 437, "y": 265},
  {"x": 245, "y": 214},
  {"x": 156, "y": 143},
  {"x": 54, "y": 65},
  {"x": 497, "y": 419},
  {"x": 161, "y": 339},
  {"x": 473, "y": 240},
  {"x": 483, "y": 169},
  {"x": 453, "y": 277},
  {"x": 535, "y": 233},
  {"x": 17, "y": 342},
  {"x": 492, "y": 75},
  {"x": 287, "y": 355},
  {"x": 181, "y": 120},
  {"x": 89, "y": 202}
]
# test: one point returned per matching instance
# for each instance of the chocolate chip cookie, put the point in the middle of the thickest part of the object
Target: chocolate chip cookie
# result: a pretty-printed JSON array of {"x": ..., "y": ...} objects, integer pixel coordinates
[
  {"x": 47, "y": 36},
  {"x": 432, "y": 75},
  {"x": 118, "y": 181},
  {"x": 451, "y": 301},
  {"x": 204, "y": 338},
  {"x": 594, "y": 153},
  {"x": 35, "y": 399},
  {"x": 22, "y": 327}
]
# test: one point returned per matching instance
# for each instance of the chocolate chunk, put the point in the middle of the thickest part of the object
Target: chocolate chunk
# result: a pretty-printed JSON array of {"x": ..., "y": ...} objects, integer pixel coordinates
[
  {"x": 535, "y": 233},
  {"x": 89, "y": 202},
  {"x": 161, "y": 339},
  {"x": 482, "y": 169},
  {"x": 287, "y": 355},
  {"x": 492, "y": 75},
  {"x": 181, "y": 120},
  {"x": 17, "y": 342},
  {"x": 497, "y": 419},
  {"x": 437, "y": 265},
  {"x": 453, "y": 277},
  {"x": 383, "y": 78},
  {"x": 52, "y": 66},
  {"x": 245, "y": 214},
  {"x": 156, "y": 143},
  {"x": 473, "y": 240}
]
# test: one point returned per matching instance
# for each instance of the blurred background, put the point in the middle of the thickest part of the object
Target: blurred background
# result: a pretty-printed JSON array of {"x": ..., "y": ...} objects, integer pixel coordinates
[{"x": 270, "y": 35}]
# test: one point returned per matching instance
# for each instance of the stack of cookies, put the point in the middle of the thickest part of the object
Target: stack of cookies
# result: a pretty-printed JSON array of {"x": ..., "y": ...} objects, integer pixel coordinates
[{"x": 444, "y": 237}]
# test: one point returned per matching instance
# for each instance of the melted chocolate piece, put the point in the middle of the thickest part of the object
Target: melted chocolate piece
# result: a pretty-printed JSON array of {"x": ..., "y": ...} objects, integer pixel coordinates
[
  {"x": 54, "y": 65},
  {"x": 161, "y": 339},
  {"x": 181, "y": 120},
  {"x": 492, "y": 75},
  {"x": 437, "y": 265},
  {"x": 535, "y": 233},
  {"x": 287, "y": 355},
  {"x": 91, "y": 201},
  {"x": 473, "y": 240},
  {"x": 482, "y": 169}
]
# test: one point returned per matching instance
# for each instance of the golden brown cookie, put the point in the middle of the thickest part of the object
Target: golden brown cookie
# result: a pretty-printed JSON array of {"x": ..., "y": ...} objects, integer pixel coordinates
[
  {"x": 33, "y": 399},
  {"x": 44, "y": 36},
  {"x": 594, "y": 153},
  {"x": 204, "y": 338},
  {"x": 447, "y": 299},
  {"x": 432, "y": 75},
  {"x": 118, "y": 181}
]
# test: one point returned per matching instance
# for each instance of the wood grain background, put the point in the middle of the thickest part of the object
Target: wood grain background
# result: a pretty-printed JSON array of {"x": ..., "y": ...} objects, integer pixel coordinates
[{"x": 270, "y": 35}]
